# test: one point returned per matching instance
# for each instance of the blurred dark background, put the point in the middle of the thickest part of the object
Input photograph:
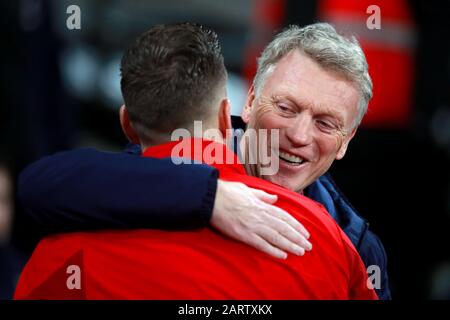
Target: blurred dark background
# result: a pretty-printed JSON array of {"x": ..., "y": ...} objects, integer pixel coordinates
[{"x": 60, "y": 90}]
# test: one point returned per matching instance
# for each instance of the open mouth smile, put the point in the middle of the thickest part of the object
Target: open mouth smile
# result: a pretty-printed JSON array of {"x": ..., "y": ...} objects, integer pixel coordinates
[{"x": 291, "y": 159}]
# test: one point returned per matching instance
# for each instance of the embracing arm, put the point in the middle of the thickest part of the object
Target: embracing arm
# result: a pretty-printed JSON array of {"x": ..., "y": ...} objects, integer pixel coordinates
[{"x": 87, "y": 189}]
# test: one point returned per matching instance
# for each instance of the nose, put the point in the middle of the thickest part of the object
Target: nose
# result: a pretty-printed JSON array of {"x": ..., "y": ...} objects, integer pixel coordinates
[{"x": 299, "y": 132}]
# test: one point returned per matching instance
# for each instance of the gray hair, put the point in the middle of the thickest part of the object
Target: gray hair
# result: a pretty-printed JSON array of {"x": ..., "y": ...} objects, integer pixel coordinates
[{"x": 332, "y": 51}]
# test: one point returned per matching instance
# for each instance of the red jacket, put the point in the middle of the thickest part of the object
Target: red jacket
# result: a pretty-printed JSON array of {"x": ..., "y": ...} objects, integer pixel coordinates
[{"x": 197, "y": 264}]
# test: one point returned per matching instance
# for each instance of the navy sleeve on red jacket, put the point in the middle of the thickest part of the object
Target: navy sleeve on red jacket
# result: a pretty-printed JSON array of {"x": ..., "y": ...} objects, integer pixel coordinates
[{"x": 89, "y": 189}]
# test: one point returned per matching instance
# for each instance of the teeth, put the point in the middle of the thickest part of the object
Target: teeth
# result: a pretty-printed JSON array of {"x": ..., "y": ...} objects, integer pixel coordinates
[{"x": 290, "y": 157}]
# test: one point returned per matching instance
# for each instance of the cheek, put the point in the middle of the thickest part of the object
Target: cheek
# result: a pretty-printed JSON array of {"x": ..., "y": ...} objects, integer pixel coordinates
[
  {"x": 266, "y": 125},
  {"x": 265, "y": 119},
  {"x": 267, "y": 122},
  {"x": 329, "y": 147},
  {"x": 272, "y": 120}
]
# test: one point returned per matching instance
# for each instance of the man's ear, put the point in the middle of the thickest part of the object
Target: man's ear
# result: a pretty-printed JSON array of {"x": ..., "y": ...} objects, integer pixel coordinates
[
  {"x": 245, "y": 115},
  {"x": 127, "y": 126},
  {"x": 344, "y": 146},
  {"x": 224, "y": 116}
]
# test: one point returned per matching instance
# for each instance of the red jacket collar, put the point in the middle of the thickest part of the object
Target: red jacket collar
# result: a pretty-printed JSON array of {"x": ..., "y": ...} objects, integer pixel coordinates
[{"x": 209, "y": 152}]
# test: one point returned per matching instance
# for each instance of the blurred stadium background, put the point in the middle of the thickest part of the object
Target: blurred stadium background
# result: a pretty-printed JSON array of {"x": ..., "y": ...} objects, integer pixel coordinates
[{"x": 60, "y": 90}]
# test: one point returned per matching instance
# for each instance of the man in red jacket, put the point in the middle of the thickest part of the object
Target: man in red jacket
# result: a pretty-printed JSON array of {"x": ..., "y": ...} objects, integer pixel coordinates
[{"x": 173, "y": 75}]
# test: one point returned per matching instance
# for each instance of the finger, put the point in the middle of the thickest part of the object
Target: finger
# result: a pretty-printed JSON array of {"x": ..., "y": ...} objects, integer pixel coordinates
[
  {"x": 280, "y": 213},
  {"x": 264, "y": 246},
  {"x": 264, "y": 196},
  {"x": 286, "y": 231},
  {"x": 285, "y": 216},
  {"x": 279, "y": 241}
]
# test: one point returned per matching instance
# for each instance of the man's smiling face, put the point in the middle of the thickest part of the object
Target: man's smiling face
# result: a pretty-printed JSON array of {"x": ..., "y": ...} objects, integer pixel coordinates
[{"x": 314, "y": 110}]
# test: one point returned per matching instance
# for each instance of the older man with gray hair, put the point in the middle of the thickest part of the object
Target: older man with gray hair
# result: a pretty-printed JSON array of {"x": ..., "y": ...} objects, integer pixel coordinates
[{"x": 312, "y": 86}]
